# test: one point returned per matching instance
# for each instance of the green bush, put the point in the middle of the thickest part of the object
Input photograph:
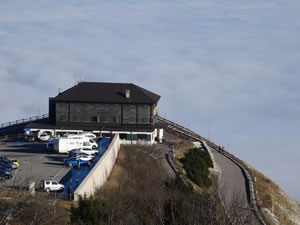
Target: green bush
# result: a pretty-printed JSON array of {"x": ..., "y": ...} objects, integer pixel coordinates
[{"x": 196, "y": 163}]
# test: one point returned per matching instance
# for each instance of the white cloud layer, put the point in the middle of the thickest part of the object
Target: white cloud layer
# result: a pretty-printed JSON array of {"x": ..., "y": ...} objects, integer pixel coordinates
[{"x": 226, "y": 69}]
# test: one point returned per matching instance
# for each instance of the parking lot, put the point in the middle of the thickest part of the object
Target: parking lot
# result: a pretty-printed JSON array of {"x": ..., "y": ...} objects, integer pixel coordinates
[{"x": 35, "y": 164}]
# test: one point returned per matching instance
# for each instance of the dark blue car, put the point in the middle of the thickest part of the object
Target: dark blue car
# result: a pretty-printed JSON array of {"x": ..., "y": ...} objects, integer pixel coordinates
[
  {"x": 5, "y": 174},
  {"x": 7, "y": 165}
]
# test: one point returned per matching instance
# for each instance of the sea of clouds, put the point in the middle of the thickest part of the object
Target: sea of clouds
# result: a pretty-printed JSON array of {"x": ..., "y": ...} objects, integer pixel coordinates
[{"x": 228, "y": 70}]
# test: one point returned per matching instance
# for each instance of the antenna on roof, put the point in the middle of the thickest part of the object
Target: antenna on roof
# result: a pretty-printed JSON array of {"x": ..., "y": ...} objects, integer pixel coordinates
[
  {"x": 75, "y": 82},
  {"x": 81, "y": 79}
]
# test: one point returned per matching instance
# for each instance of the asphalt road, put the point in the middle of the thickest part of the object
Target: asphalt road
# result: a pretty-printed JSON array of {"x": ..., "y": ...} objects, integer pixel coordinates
[
  {"x": 162, "y": 156},
  {"x": 234, "y": 188},
  {"x": 35, "y": 164}
]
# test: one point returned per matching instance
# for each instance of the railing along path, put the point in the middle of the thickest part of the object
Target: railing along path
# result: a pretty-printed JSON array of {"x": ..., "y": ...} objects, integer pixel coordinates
[
  {"x": 249, "y": 176},
  {"x": 21, "y": 121}
]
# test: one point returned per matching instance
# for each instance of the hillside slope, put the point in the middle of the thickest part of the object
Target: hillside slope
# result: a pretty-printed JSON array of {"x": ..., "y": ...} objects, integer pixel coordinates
[{"x": 277, "y": 207}]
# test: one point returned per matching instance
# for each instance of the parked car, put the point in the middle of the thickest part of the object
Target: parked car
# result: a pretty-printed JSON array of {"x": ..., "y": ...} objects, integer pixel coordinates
[
  {"x": 45, "y": 137},
  {"x": 76, "y": 152},
  {"x": 66, "y": 144},
  {"x": 15, "y": 163},
  {"x": 6, "y": 165},
  {"x": 51, "y": 185},
  {"x": 3, "y": 158},
  {"x": 84, "y": 157},
  {"x": 50, "y": 145},
  {"x": 74, "y": 161},
  {"x": 87, "y": 151},
  {"x": 30, "y": 138},
  {"x": 5, "y": 174}
]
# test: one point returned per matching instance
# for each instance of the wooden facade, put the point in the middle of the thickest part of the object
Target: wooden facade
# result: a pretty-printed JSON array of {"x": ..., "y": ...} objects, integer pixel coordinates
[
  {"x": 111, "y": 112},
  {"x": 104, "y": 114}
]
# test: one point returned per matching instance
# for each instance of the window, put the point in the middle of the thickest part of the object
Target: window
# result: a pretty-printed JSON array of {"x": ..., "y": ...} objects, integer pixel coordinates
[
  {"x": 146, "y": 107},
  {"x": 86, "y": 118},
  {"x": 106, "y": 106},
  {"x": 87, "y": 105},
  {"x": 133, "y": 137},
  {"x": 105, "y": 119},
  {"x": 97, "y": 106},
  {"x": 131, "y": 119},
  {"x": 116, "y": 106},
  {"x": 146, "y": 120},
  {"x": 148, "y": 137},
  {"x": 123, "y": 136},
  {"x": 116, "y": 119},
  {"x": 95, "y": 119},
  {"x": 77, "y": 105},
  {"x": 62, "y": 117},
  {"x": 76, "y": 118},
  {"x": 142, "y": 136},
  {"x": 86, "y": 144},
  {"x": 132, "y": 107},
  {"x": 63, "y": 105}
]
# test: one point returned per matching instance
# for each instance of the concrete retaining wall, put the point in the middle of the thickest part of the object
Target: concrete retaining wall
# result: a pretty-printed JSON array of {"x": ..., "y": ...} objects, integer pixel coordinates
[
  {"x": 210, "y": 154},
  {"x": 101, "y": 171}
]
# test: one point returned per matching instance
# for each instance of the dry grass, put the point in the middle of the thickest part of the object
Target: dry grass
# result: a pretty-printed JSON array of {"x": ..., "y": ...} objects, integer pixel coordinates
[
  {"x": 63, "y": 210},
  {"x": 132, "y": 168},
  {"x": 117, "y": 172},
  {"x": 62, "y": 207},
  {"x": 184, "y": 149},
  {"x": 271, "y": 196}
]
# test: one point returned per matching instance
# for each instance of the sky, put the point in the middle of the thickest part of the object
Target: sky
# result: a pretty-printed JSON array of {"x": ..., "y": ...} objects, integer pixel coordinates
[{"x": 228, "y": 70}]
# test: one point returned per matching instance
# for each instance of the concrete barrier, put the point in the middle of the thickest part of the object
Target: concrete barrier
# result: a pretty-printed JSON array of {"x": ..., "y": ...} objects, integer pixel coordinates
[
  {"x": 101, "y": 171},
  {"x": 210, "y": 154}
]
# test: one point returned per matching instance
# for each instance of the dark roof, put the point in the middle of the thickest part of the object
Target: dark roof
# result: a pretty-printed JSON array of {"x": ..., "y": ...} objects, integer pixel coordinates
[{"x": 107, "y": 93}]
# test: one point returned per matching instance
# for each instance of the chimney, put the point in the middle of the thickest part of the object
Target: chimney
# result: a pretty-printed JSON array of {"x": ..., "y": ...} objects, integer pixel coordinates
[
  {"x": 127, "y": 93},
  {"x": 59, "y": 91}
]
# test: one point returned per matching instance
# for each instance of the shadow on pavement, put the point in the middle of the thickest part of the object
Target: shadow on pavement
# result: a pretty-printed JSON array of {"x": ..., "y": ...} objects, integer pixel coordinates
[{"x": 26, "y": 148}]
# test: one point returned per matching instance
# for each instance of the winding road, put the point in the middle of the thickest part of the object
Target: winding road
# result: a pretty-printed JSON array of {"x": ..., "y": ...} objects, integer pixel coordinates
[{"x": 233, "y": 186}]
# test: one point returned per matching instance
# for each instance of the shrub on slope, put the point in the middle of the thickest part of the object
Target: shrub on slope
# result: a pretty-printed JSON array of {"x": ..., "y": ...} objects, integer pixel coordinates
[{"x": 196, "y": 163}]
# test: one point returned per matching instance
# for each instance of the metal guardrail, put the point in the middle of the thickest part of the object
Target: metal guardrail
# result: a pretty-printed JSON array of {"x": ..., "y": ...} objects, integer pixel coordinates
[
  {"x": 249, "y": 175},
  {"x": 21, "y": 121}
]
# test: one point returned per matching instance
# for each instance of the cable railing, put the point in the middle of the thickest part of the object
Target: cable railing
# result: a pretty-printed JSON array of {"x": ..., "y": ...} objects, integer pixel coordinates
[{"x": 21, "y": 121}]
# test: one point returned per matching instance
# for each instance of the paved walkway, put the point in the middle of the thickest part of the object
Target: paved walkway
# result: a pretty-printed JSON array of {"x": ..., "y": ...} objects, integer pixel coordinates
[
  {"x": 234, "y": 187},
  {"x": 162, "y": 151}
]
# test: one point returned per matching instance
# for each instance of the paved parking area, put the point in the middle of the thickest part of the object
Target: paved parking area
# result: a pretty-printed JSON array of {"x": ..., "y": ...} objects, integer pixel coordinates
[{"x": 35, "y": 164}]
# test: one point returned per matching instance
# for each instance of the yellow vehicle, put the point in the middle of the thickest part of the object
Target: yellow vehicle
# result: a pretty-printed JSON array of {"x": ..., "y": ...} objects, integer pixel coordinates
[{"x": 15, "y": 162}]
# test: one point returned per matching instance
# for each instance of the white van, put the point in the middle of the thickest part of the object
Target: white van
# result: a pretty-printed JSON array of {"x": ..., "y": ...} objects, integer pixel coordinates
[
  {"x": 88, "y": 135},
  {"x": 82, "y": 135},
  {"x": 64, "y": 145}
]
